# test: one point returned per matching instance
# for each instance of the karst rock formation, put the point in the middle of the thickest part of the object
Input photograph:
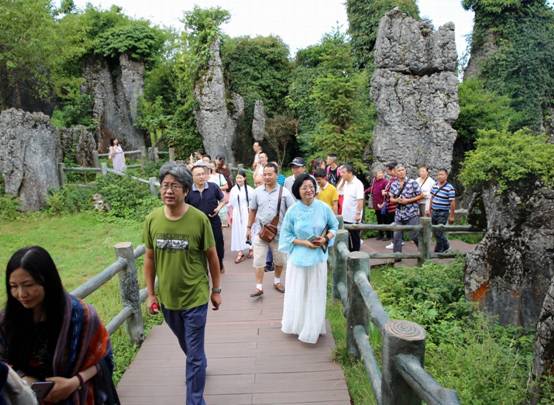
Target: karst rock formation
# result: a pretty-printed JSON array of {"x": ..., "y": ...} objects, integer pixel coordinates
[
  {"x": 116, "y": 89},
  {"x": 216, "y": 123},
  {"x": 510, "y": 270},
  {"x": 78, "y": 144},
  {"x": 29, "y": 157},
  {"x": 415, "y": 90},
  {"x": 259, "y": 121}
]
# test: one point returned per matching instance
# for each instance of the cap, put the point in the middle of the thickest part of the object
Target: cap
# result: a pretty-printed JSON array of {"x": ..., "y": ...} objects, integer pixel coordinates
[{"x": 297, "y": 161}]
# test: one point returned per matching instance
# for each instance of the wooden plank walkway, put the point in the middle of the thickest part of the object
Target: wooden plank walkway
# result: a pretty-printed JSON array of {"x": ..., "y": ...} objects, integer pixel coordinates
[{"x": 250, "y": 361}]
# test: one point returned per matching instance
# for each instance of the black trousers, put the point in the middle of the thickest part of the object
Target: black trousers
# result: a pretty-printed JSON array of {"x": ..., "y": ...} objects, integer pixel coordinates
[
  {"x": 381, "y": 218},
  {"x": 353, "y": 239},
  {"x": 219, "y": 242}
]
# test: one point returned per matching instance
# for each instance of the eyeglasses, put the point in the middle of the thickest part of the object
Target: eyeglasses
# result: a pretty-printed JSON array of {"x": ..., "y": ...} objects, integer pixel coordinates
[
  {"x": 173, "y": 187},
  {"x": 306, "y": 188}
]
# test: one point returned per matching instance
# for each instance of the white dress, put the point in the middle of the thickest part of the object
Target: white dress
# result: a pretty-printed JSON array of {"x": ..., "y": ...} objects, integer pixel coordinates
[
  {"x": 237, "y": 200},
  {"x": 118, "y": 158}
]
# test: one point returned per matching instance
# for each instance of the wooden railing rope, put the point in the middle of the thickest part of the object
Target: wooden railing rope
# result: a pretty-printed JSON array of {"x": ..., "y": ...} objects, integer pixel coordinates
[
  {"x": 402, "y": 379},
  {"x": 131, "y": 296}
]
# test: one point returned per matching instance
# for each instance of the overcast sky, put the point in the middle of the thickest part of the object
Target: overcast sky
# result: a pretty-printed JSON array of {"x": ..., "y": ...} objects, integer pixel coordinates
[{"x": 298, "y": 22}]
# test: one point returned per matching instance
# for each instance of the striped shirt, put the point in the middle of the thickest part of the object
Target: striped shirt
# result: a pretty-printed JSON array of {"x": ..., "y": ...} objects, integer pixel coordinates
[{"x": 442, "y": 196}]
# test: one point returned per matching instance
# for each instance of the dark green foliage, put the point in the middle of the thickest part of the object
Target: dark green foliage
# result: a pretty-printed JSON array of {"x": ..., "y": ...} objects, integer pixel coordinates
[
  {"x": 9, "y": 207},
  {"x": 127, "y": 198},
  {"x": 481, "y": 109},
  {"x": 258, "y": 69},
  {"x": 364, "y": 17},
  {"x": 70, "y": 199},
  {"x": 522, "y": 67},
  {"x": 330, "y": 98},
  {"x": 137, "y": 39},
  {"x": 505, "y": 158},
  {"x": 484, "y": 362}
]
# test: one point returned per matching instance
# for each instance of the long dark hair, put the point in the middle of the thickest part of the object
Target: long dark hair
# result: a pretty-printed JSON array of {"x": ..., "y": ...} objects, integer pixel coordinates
[{"x": 18, "y": 321}]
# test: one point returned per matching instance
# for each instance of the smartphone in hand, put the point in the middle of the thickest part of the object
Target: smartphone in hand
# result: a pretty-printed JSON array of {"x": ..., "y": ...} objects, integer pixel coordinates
[{"x": 42, "y": 388}]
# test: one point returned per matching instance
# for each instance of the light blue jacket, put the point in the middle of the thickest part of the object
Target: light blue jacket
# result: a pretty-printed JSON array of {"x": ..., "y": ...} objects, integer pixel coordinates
[{"x": 302, "y": 222}]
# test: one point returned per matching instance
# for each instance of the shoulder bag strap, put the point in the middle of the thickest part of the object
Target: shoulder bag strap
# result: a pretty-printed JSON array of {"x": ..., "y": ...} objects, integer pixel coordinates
[
  {"x": 275, "y": 219},
  {"x": 438, "y": 191}
]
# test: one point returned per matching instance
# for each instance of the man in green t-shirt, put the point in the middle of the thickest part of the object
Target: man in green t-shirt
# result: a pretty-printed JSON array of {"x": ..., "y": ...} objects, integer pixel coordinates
[{"x": 180, "y": 248}]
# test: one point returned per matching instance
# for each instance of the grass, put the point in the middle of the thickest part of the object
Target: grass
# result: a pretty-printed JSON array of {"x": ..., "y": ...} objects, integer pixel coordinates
[{"x": 81, "y": 246}]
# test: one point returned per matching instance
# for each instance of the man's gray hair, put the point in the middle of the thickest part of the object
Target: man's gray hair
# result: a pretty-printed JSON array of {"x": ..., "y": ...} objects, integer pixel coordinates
[{"x": 179, "y": 171}]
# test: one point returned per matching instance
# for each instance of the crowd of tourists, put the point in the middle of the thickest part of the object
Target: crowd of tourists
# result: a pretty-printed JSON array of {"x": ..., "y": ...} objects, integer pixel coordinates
[{"x": 55, "y": 343}]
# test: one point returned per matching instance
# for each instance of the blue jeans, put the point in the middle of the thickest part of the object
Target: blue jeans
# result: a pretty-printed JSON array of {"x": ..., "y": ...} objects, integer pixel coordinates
[
  {"x": 440, "y": 218},
  {"x": 189, "y": 326},
  {"x": 397, "y": 238}
]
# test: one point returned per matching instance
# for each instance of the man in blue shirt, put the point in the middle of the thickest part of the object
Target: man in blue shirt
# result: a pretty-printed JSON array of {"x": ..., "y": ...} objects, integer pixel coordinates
[
  {"x": 208, "y": 198},
  {"x": 442, "y": 207},
  {"x": 405, "y": 193}
]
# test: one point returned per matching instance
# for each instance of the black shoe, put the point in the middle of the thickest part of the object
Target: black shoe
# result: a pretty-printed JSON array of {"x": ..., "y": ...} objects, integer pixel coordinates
[{"x": 268, "y": 269}]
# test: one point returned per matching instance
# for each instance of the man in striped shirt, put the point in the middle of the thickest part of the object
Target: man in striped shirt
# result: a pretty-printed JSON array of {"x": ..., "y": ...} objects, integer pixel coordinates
[{"x": 442, "y": 207}]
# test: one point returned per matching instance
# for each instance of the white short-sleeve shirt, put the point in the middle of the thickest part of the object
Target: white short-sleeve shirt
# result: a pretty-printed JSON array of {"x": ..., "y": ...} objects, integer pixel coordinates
[{"x": 353, "y": 191}]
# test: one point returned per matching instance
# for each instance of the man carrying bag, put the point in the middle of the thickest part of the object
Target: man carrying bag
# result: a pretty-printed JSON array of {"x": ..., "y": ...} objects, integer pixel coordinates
[{"x": 267, "y": 207}]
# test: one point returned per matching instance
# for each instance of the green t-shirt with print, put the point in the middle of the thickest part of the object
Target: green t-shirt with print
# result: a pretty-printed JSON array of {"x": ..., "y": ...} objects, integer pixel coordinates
[{"x": 179, "y": 256}]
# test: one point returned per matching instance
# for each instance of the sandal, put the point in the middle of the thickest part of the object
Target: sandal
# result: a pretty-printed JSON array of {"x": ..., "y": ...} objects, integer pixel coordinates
[
  {"x": 240, "y": 259},
  {"x": 279, "y": 287},
  {"x": 258, "y": 293}
]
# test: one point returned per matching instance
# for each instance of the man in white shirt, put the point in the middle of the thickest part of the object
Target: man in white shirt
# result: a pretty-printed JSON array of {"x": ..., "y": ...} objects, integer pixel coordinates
[
  {"x": 352, "y": 205},
  {"x": 259, "y": 170},
  {"x": 257, "y": 150}
]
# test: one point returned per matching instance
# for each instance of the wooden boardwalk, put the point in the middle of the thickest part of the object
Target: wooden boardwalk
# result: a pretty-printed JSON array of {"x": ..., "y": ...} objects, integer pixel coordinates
[{"x": 250, "y": 361}]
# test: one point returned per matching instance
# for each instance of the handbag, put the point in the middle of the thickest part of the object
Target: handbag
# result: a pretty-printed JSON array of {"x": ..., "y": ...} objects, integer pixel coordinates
[{"x": 269, "y": 231}]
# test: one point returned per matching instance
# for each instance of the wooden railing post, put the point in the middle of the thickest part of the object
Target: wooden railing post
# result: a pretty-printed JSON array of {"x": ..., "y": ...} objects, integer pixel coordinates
[
  {"x": 143, "y": 157},
  {"x": 358, "y": 313},
  {"x": 95, "y": 159},
  {"x": 104, "y": 168},
  {"x": 400, "y": 337},
  {"x": 425, "y": 240},
  {"x": 152, "y": 186},
  {"x": 130, "y": 293},
  {"x": 172, "y": 154},
  {"x": 61, "y": 174},
  {"x": 339, "y": 267}
]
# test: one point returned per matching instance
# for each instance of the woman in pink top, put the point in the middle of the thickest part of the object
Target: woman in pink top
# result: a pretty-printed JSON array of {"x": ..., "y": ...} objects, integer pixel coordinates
[{"x": 378, "y": 184}]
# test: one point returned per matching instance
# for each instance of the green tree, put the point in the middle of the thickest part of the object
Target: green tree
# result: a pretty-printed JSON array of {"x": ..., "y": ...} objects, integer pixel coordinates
[
  {"x": 522, "y": 63},
  {"x": 504, "y": 158},
  {"x": 364, "y": 17},
  {"x": 481, "y": 109},
  {"x": 28, "y": 52}
]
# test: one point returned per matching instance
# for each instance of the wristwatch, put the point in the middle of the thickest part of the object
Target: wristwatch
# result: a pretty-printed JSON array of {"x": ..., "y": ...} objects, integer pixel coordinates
[{"x": 216, "y": 290}]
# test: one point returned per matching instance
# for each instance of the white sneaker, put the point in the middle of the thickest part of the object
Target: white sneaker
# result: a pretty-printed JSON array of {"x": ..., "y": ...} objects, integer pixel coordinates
[{"x": 391, "y": 245}]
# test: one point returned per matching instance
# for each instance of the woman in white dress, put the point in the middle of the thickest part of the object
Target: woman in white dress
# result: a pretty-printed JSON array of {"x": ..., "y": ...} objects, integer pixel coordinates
[
  {"x": 239, "y": 199},
  {"x": 117, "y": 156},
  {"x": 308, "y": 229}
]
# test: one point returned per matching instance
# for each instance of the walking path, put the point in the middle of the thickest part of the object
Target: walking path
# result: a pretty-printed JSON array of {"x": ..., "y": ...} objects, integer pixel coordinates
[{"x": 250, "y": 361}]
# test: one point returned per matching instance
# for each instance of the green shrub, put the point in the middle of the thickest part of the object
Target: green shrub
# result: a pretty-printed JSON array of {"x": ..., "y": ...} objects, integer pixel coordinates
[
  {"x": 127, "y": 198},
  {"x": 9, "y": 208},
  {"x": 484, "y": 362},
  {"x": 70, "y": 199},
  {"x": 505, "y": 158}
]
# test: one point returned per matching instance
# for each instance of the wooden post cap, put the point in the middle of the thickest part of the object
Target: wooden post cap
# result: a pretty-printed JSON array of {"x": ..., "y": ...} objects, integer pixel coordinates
[
  {"x": 405, "y": 330},
  {"x": 122, "y": 245}
]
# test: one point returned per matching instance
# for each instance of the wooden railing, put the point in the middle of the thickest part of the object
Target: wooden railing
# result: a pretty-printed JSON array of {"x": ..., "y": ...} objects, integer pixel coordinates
[
  {"x": 425, "y": 230},
  {"x": 131, "y": 296},
  {"x": 402, "y": 378}
]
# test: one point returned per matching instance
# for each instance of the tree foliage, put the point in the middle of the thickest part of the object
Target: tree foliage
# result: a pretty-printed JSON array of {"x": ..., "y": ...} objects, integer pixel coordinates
[
  {"x": 364, "y": 17},
  {"x": 329, "y": 96},
  {"x": 258, "y": 69},
  {"x": 522, "y": 66},
  {"x": 505, "y": 158},
  {"x": 481, "y": 109}
]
